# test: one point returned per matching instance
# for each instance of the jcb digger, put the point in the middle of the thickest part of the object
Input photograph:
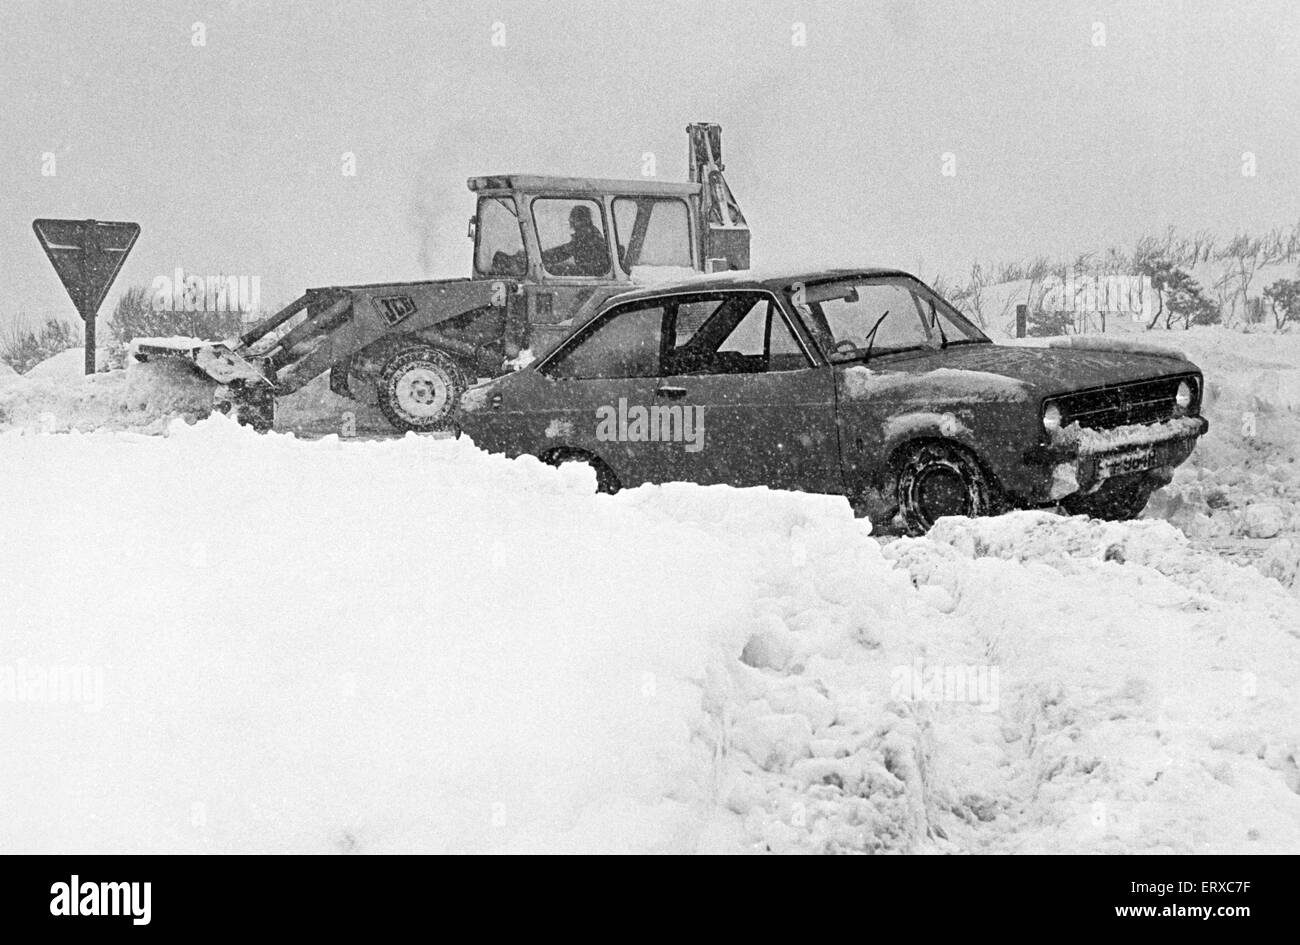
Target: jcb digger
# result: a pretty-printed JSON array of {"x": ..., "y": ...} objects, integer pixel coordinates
[{"x": 547, "y": 251}]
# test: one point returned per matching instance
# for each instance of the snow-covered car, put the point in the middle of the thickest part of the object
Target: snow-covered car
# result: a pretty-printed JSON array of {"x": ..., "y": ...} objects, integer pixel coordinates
[{"x": 863, "y": 383}]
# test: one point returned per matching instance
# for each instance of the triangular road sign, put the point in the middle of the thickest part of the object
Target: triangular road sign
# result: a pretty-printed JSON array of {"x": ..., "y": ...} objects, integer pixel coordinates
[{"x": 87, "y": 255}]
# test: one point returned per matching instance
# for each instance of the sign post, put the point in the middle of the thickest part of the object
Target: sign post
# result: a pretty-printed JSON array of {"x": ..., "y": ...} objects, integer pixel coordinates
[{"x": 87, "y": 255}]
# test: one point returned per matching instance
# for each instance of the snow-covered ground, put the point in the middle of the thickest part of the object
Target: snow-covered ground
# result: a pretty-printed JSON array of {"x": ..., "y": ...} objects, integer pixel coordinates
[
  {"x": 56, "y": 396},
  {"x": 220, "y": 641}
]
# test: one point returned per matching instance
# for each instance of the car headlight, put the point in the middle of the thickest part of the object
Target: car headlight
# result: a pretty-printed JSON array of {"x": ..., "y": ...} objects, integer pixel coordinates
[
  {"x": 1051, "y": 418},
  {"x": 1183, "y": 396}
]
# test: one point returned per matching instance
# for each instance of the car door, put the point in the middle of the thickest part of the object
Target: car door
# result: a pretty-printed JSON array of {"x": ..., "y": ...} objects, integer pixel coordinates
[
  {"x": 582, "y": 395},
  {"x": 752, "y": 405}
]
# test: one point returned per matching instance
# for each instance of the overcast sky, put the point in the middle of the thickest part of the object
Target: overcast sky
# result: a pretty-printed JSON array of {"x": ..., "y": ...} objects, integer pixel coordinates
[{"x": 229, "y": 154}]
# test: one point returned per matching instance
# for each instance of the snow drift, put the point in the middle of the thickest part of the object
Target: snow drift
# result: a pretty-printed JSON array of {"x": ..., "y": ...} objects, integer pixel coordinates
[
  {"x": 219, "y": 641},
  {"x": 56, "y": 396}
]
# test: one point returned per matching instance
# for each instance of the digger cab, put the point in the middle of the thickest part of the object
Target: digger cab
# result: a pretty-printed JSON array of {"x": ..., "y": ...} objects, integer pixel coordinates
[
  {"x": 570, "y": 230},
  {"x": 548, "y": 251}
]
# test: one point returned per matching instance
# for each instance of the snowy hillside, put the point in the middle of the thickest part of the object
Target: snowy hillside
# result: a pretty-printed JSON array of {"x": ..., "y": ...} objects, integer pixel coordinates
[{"x": 219, "y": 641}]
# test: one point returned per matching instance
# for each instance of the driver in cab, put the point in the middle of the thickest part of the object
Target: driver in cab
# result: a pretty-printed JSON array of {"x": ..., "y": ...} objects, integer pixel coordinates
[{"x": 585, "y": 254}]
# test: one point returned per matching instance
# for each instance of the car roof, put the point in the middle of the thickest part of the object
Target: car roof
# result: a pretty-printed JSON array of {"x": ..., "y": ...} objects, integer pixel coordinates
[
  {"x": 754, "y": 279},
  {"x": 579, "y": 185}
]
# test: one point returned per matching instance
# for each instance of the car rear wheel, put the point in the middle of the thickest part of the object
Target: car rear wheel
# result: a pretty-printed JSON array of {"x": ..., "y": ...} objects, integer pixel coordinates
[
  {"x": 606, "y": 481},
  {"x": 419, "y": 389},
  {"x": 1118, "y": 499},
  {"x": 937, "y": 479}
]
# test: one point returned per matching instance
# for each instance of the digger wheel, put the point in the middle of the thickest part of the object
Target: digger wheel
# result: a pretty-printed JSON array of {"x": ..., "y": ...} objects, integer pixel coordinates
[{"x": 419, "y": 389}]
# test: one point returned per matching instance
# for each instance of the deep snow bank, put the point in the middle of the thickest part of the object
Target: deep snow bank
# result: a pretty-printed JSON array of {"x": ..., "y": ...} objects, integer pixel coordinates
[
  {"x": 223, "y": 641},
  {"x": 56, "y": 396},
  {"x": 68, "y": 365},
  {"x": 377, "y": 646}
]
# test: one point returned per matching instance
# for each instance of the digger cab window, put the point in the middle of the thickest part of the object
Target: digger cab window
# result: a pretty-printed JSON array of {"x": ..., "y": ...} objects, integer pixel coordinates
[
  {"x": 572, "y": 235},
  {"x": 500, "y": 249},
  {"x": 652, "y": 231}
]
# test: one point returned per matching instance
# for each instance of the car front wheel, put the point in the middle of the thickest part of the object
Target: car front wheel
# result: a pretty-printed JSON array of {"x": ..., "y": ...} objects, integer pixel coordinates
[{"x": 937, "y": 479}]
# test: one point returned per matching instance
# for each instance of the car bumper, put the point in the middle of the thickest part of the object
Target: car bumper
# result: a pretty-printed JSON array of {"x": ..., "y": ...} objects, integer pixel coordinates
[{"x": 1083, "y": 466}]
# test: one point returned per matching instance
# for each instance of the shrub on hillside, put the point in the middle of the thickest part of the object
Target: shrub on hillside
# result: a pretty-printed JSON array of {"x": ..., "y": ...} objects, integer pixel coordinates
[
  {"x": 23, "y": 346},
  {"x": 1180, "y": 297},
  {"x": 1040, "y": 324},
  {"x": 1283, "y": 296}
]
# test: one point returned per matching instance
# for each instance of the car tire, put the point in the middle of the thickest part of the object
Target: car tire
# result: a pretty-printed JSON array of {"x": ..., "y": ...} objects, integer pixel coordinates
[
  {"x": 1118, "y": 500},
  {"x": 606, "y": 481},
  {"x": 935, "y": 479},
  {"x": 419, "y": 388}
]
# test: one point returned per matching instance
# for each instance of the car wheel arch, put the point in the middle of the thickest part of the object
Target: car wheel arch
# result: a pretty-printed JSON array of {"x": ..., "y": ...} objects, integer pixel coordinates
[
  {"x": 906, "y": 447},
  {"x": 607, "y": 479},
  {"x": 901, "y": 447}
]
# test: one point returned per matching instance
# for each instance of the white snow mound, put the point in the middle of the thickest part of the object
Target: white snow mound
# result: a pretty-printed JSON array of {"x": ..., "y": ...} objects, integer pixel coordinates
[
  {"x": 281, "y": 645},
  {"x": 52, "y": 397}
]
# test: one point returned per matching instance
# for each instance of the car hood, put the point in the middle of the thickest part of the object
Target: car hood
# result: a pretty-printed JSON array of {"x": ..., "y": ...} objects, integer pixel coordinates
[{"x": 1049, "y": 370}]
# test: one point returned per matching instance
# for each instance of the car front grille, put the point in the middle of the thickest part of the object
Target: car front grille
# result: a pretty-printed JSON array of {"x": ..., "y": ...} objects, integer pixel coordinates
[{"x": 1123, "y": 404}]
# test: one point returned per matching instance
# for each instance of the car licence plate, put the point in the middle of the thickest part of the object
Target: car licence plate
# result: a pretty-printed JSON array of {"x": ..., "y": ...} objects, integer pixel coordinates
[{"x": 1134, "y": 460}]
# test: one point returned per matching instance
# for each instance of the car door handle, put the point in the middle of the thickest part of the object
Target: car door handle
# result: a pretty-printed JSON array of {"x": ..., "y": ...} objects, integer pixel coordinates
[{"x": 673, "y": 393}]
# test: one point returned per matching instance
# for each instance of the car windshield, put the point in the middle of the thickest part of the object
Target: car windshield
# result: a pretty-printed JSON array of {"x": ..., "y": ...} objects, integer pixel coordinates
[{"x": 861, "y": 318}]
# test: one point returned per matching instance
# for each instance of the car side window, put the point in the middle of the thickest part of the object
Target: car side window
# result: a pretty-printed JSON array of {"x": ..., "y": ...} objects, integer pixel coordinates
[
  {"x": 749, "y": 337},
  {"x": 691, "y": 316},
  {"x": 626, "y": 343},
  {"x": 735, "y": 333},
  {"x": 784, "y": 353}
]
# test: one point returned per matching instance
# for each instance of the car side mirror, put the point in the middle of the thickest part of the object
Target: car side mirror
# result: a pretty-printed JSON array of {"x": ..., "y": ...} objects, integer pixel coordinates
[{"x": 473, "y": 227}]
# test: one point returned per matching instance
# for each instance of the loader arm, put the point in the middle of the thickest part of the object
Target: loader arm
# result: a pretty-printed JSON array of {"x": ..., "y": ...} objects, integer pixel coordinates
[{"x": 324, "y": 327}]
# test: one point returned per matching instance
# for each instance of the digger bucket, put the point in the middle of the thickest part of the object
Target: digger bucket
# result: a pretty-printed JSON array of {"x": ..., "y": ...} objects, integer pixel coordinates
[{"x": 215, "y": 360}]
